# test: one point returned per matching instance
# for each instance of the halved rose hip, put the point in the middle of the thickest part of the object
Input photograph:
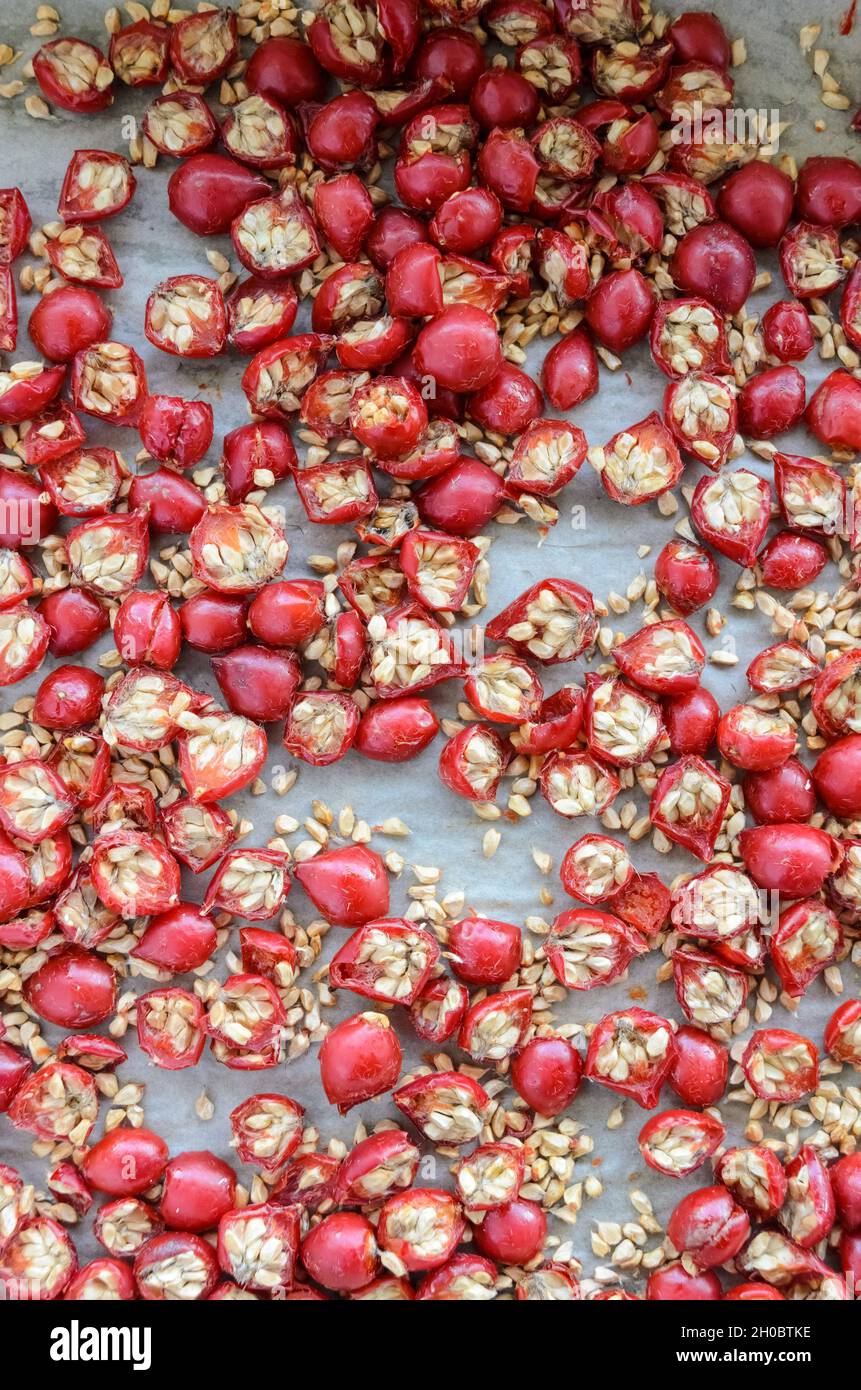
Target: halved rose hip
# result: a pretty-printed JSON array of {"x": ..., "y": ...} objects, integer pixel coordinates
[
  {"x": 503, "y": 689},
  {"x": 780, "y": 1065},
  {"x": 677, "y": 1142},
  {"x": 420, "y": 1227},
  {"x": 388, "y": 960},
  {"x": 639, "y": 463},
  {"x": 109, "y": 554},
  {"x": 756, "y": 1179},
  {"x": 179, "y": 124},
  {"x": 219, "y": 753},
  {"x": 409, "y": 652},
  {"x": 576, "y": 785},
  {"x": 437, "y": 1012},
  {"x": 58, "y": 1102},
  {"x": 596, "y": 868},
  {"x": 260, "y": 312},
  {"x": 808, "y": 1211},
  {"x": 622, "y": 726},
  {"x": 490, "y": 1176},
  {"x": 447, "y": 1107},
  {"x": 185, "y": 316},
  {"x": 134, "y": 874},
  {"x": 277, "y": 377},
  {"x": 337, "y": 491},
  {"x": 587, "y": 948},
  {"x": 664, "y": 658},
  {"x": 631, "y": 1052},
  {"x": 321, "y": 726},
  {"x": 83, "y": 256},
  {"x": 83, "y": 482},
  {"x": 546, "y": 457},
  {"x": 109, "y": 382},
  {"x": 782, "y": 667},
  {"x": 836, "y": 698},
  {"x": 15, "y": 224},
  {"x": 688, "y": 805},
  {"x": 754, "y": 739},
  {"x": 246, "y": 1012},
  {"x": 472, "y": 762},
  {"x": 266, "y": 1130},
  {"x": 74, "y": 75},
  {"x": 688, "y": 335},
  {"x": 204, "y": 45},
  {"x": 556, "y": 724},
  {"x": 170, "y": 1025},
  {"x": 807, "y": 940},
  {"x": 26, "y": 388},
  {"x": 249, "y": 883},
  {"x": 843, "y": 1034},
  {"x": 702, "y": 414},
  {"x": 554, "y": 621},
  {"x": 97, "y": 185},
  {"x": 711, "y": 993},
  {"x": 497, "y": 1026},
  {"x": 34, "y": 801},
  {"x": 720, "y": 903},
  {"x": 260, "y": 133},
  {"x": 732, "y": 513},
  {"x": 812, "y": 496},
  {"x": 276, "y": 236},
  {"x": 237, "y": 549}
]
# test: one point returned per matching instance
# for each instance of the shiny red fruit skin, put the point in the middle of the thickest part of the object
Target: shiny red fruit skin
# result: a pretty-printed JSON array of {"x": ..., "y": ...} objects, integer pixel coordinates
[
  {"x": 757, "y": 201},
  {"x": 175, "y": 503},
  {"x": 463, "y": 499},
  {"x": 286, "y": 70},
  {"x": 700, "y": 1067},
  {"x": 698, "y": 36},
  {"x": 197, "y": 1190},
  {"x": 753, "y": 1293},
  {"x": 484, "y": 951},
  {"x": 181, "y": 939},
  {"x": 784, "y": 793},
  {"x": 513, "y": 1234},
  {"x": 546, "y": 1074},
  {"x": 771, "y": 402},
  {"x": 392, "y": 231},
  {"x": 348, "y": 886},
  {"x": 503, "y": 98},
  {"x": 508, "y": 404},
  {"x": 786, "y": 331},
  {"x": 176, "y": 431},
  {"x": 70, "y": 318},
  {"x": 672, "y": 1283},
  {"x": 791, "y": 561},
  {"x": 147, "y": 630},
  {"x": 845, "y": 1177},
  {"x": 359, "y": 1059},
  {"x": 344, "y": 213},
  {"x": 716, "y": 262},
  {"x": 791, "y": 859},
  {"x": 125, "y": 1162},
  {"x": 460, "y": 349},
  {"x": 466, "y": 221},
  {"x": 75, "y": 619},
  {"x": 686, "y": 575},
  {"x": 569, "y": 372},
  {"x": 837, "y": 777},
  {"x": 213, "y": 622},
  {"x": 287, "y": 612},
  {"x": 828, "y": 191},
  {"x": 620, "y": 309},
  {"x": 14, "y": 1069},
  {"x": 709, "y": 1225},
  {"x": 257, "y": 682},
  {"x": 394, "y": 731},
  {"x": 69, "y": 697},
  {"x": 452, "y": 54},
  {"x": 209, "y": 190},
  {"x": 341, "y": 1252},
  {"x": 74, "y": 988},
  {"x": 834, "y": 412}
]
